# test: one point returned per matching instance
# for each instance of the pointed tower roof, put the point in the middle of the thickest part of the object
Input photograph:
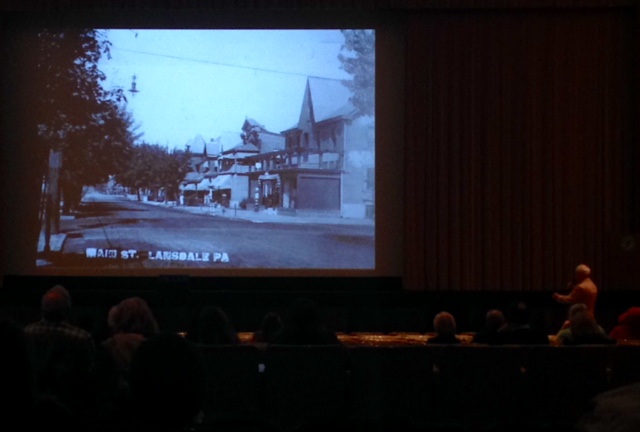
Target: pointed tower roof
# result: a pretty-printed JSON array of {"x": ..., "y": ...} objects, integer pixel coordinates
[
  {"x": 198, "y": 145},
  {"x": 251, "y": 122},
  {"x": 329, "y": 98},
  {"x": 324, "y": 99}
]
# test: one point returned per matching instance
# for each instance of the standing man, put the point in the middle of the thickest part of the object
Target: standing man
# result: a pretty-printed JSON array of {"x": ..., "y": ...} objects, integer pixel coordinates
[{"x": 583, "y": 290}]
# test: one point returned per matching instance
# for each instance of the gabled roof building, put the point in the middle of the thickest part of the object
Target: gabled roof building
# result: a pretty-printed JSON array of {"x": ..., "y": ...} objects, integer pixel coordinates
[
  {"x": 328, "y": 161},
  {"x": 324, "y": 163}
]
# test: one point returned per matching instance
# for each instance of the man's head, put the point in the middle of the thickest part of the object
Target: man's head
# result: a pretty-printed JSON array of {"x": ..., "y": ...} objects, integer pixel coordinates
[
  {"x": 582, "y": 272},
  {"x": 56, "y": 304},
  {"x": 132, "y": 315},
  {"x": 576, "y": 308},
  {"x": 583, "y": 324},
  {"x": 444, "y": 324}
]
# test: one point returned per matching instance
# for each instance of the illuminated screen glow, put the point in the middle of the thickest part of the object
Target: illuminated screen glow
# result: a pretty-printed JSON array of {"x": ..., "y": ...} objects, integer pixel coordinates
[{"x": 247, "y": 152}]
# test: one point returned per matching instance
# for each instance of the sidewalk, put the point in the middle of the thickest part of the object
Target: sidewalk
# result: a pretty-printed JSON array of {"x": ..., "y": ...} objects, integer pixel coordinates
[{"x": 264, "y": 215}]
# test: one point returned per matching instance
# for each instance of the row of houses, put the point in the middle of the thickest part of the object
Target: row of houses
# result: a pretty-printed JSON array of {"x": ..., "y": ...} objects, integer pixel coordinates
[{"x": 324, "y": 163}]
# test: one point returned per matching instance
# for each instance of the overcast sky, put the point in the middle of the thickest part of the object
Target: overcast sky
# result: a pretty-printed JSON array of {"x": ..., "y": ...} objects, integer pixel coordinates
[{"x": 207, "y": 81}]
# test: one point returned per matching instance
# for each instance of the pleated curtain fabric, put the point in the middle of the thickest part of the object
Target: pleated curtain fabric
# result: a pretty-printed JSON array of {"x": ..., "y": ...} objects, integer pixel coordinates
[{"x": 520, "y": 160}]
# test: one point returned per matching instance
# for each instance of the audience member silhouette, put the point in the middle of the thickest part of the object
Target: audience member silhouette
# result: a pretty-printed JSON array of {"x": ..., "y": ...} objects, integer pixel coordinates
[
  {"x": 445, "y": 326},
  {"x": 270, "y": 325},
  {"x": 213, "y": 327},
  {"x": 167, "y": 383},
  {"x": 565, "y": 333},
  {"x": 628, "y": 325},
  {"x": 494, "y": 320},
  {"x": 18, "y": 391},
  {"x": 517, "y": 329},
  {"x": 304, "y": 325},
  {"x": 614, "y": 410},
  {"x": 133, "y": 315},
  {"x": 583, "y": 329},
  {"x": 130, "y": 322},
  {"x": 62, "y": 355},
  {"x": 573, "y": 309}
]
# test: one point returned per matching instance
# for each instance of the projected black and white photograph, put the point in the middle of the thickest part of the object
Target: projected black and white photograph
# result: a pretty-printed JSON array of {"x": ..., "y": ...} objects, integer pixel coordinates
[{"x": 207, "y": 149}]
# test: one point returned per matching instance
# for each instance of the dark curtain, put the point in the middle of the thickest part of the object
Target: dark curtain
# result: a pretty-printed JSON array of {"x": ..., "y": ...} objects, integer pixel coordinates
[{"x": 520, "y": 156}]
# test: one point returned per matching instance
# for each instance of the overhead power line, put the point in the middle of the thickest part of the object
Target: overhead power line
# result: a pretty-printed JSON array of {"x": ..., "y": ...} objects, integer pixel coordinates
[{"x": 220, "y": 63}]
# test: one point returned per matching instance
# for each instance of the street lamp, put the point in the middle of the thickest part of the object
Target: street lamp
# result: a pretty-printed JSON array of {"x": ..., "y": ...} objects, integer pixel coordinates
[{"x": 133, "y": 88}]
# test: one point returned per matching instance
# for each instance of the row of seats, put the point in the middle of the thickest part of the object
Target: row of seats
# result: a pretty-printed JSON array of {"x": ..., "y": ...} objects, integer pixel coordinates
[{"x": 473, "y": 385}]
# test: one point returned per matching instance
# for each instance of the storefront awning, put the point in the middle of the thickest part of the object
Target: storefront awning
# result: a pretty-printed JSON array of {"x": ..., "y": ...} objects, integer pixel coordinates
[
  {"x": 269, "y": 177},
  {"x": 201, "y": 185},
  {"x": 222, "y": 182},
  {"x": 193, "y": 177},
  {"x": 188, "y": 187}
]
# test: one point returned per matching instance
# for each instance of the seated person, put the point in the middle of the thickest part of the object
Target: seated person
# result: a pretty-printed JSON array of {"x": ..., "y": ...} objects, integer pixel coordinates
[
  {"x": 130, "y": 322},
  {"x": 628, "y": 326},
  {"x": 445, "y": 326},
  {"x": 565, "y": 332},
  {"x": 584, "y": 330},
  {"x": 303, "y": 325},
  {"x": 213, "y": 327},
  {"x": 493, "y": 321},
  {"x": 167, "y": 384},
  {"x": 271, "y": 324},
  {"x": 578, "y": 307},
  {"x": 62, "y": 354},
  {"x": 518, "y": 331}
]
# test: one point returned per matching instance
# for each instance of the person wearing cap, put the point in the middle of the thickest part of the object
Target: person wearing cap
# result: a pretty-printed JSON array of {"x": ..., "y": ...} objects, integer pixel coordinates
[
  {"x": 61, "y": 353},
  {"x": 582, "y": 289}
]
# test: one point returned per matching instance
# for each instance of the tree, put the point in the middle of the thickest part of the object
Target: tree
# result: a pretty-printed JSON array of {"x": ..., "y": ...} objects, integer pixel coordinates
[
  {"x": 360, "y": 62},
  {"x": 97, "y": 152},
  {"x": 83, "y": 125},
  {"x": 137, "y": 172},
  {"x": 177, "y": 165},
  {"x": 71, "y": 100},
  {"x": 152, "y": 166}
]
